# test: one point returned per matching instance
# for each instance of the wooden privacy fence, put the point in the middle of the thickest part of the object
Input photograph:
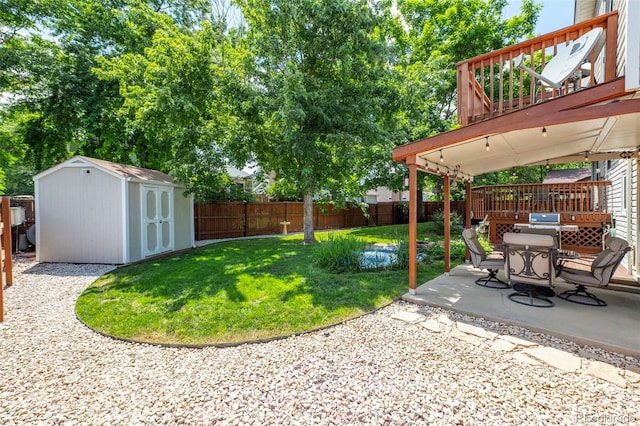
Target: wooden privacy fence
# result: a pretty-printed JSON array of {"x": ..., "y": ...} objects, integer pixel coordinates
[
  {"x": 232, "y": 220},
  {"x": 6, "y": 265}
]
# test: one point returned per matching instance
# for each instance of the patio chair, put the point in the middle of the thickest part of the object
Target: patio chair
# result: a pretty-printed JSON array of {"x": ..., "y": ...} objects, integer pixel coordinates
[
  {"x": 530, "y": 268},
  {"x": 601, "y": 271},
  {"x": 568, "y": 66},
  {"x": 492, "y": 262},
  {"x": 543, "y": 231}
]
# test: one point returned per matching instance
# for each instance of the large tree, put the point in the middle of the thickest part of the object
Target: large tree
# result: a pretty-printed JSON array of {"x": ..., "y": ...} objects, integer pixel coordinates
[
  {"x": 431, "y": 37},
  {"x": 322, "y": 80},
  {"x": 179, "y": 96},
  {"x": 54, "y": 103}
]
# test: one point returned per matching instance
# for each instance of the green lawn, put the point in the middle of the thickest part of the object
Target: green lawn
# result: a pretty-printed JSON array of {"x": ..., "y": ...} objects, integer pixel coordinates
[{"x": 240, "y": 291}]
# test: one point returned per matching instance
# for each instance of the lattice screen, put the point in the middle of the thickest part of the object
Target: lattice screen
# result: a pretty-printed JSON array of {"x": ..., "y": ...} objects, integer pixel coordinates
[{"x": 587, "y": 236}]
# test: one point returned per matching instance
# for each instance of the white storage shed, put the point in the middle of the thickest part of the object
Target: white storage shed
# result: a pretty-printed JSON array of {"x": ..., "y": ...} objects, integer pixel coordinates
[{"x": 96, "y": 211}]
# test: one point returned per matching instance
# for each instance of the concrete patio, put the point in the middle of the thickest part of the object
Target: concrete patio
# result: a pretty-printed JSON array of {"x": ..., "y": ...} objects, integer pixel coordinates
[{"x": 614, "y": 327}]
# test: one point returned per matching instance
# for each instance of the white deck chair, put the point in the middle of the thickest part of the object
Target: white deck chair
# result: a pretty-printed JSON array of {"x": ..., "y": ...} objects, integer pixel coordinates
[{"x": 569, "y": 63}]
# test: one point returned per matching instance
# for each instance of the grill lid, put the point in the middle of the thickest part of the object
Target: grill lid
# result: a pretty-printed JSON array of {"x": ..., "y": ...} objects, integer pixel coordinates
[{"x": 544, "y": 218}]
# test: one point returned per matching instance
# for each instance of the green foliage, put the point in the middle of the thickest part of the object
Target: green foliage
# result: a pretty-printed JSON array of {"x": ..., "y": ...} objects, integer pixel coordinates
[
  {"x": 317, "y": 91},
  {"x": 436, "y": 251},
  {"x": 402, "y": 213},
  {"x": 402, "y": 253},
  {"x": 322, "y": 69},
  {"x": 455, "y": 220},
  {"x": 283, "y": 190},
  {"x": 430, "y": 37},
  {"x": 339, "y": 253},
  {"x": 135, "y": 82}
]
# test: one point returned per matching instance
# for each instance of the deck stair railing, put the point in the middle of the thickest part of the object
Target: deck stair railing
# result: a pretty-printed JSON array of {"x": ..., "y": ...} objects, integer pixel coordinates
[{"x": 489, "y": 86}]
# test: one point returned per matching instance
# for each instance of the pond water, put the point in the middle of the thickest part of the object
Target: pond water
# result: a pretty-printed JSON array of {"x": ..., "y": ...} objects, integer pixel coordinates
[{"x": 378, "y": 257}]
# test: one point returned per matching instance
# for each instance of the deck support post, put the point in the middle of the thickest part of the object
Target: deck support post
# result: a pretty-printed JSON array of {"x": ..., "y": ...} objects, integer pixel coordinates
[
  {"x": 467, "y": 210},
  {"x": 413, "y": 223},
  {"x": 447, "y": 224}
]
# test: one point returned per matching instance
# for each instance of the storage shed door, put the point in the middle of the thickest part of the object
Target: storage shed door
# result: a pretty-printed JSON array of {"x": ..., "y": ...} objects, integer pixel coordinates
[{"x": 157, "y": 220}]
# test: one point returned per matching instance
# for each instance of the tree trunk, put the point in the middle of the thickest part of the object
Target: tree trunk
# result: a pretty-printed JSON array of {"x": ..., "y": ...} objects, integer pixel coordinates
[{"x": 309, "y": 234}]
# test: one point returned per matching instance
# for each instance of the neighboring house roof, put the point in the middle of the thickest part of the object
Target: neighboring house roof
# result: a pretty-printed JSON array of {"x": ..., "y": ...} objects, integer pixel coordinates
[
  {"x": 237, "y": 174},
  {"x": 119, "y": 170},
  {"x": 567, "y": 176}
]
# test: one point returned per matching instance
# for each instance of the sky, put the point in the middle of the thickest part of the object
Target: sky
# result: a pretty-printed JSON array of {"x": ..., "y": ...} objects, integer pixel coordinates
[{"x": 555, "y": 14}]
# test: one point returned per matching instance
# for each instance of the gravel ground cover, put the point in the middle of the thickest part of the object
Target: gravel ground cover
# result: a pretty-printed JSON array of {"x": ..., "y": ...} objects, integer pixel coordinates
[{"x": 373, "y": 370}]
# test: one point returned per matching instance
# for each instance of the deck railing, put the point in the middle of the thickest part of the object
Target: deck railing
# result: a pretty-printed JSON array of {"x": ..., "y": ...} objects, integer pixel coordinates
[
  {"x": 569, "y": 198},
  {"x": 489, "y": 86},
  {"x": 583, "y": 204}
]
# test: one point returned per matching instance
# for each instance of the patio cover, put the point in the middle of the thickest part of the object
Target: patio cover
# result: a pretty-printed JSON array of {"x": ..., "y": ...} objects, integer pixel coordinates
[{"x": 601, "y": 122}]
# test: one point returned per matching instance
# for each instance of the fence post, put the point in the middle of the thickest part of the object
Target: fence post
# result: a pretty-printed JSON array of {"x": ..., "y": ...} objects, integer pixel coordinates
[
  {"x": 245, "y": 218},
  {"x": 1, "y": 268},
  {"x": 344, "y": 217},
  {"x": 198, "y": 221},
  {"x": 6, "y": 240}
]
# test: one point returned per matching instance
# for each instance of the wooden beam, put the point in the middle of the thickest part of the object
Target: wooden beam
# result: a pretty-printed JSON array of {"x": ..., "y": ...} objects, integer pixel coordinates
[
  {"x": 6, "y": 240},
  {"x": 467, "y": 219},
  {"x": 413, "y": 225},
  {"x": 584, "y": 105},
  {"x": 611, "y": 46},
  {"x": 447, "y": 225}
]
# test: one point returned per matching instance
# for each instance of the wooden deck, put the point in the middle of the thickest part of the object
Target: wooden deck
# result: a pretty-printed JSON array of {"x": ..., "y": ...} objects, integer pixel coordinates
[
  {"x": 583, "y": 204},
  {"x": 489, "y": 86}
]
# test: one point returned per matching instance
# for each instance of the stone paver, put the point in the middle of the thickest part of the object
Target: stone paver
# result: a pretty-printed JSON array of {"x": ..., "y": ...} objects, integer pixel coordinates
[
  {"x": 476, "y": 331},
  {"x": 408, "y": 317},
  {"x": 632, "y": 376},
  {"x": 555, "y": 358},
  {"x": 469, "y": 338},
  {"x": 519, "y": 356},
  {"x": 369, "y": 370},
  {"x": 607, "y": 372},
  {"x": 443, "y": 319},
  {"x": 500, "y": 345},
  {"x": 432, "y": 325}
]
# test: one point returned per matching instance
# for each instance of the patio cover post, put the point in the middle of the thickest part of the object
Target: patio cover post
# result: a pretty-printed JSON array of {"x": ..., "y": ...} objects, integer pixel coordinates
[
  {"x": 413, "y": 210},
  {"x": 467, "y": 211},
  {"x": 447, "y": 224}
]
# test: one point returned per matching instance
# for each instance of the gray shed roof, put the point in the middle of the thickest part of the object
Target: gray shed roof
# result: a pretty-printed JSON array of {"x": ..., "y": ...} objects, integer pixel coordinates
[
  {"x": 128, "y": 171},
  {"x": 123, "y": 171}
]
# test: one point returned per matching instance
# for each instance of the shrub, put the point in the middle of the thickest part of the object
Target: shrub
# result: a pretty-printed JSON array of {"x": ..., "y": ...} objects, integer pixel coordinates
[
  {"x": 339, "y": 253},
  {"x": 436, "y": 251},
  {"x": 455, "y": 220},
  {"x": 402, "y": 213},
  {"x": 402, "y": 251}
]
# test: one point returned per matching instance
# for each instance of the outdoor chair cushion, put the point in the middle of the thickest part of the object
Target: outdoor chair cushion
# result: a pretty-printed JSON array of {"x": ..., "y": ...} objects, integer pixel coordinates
[
  {"x": 602, "y": 267},
  {"x": 530, "y": 258}
]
